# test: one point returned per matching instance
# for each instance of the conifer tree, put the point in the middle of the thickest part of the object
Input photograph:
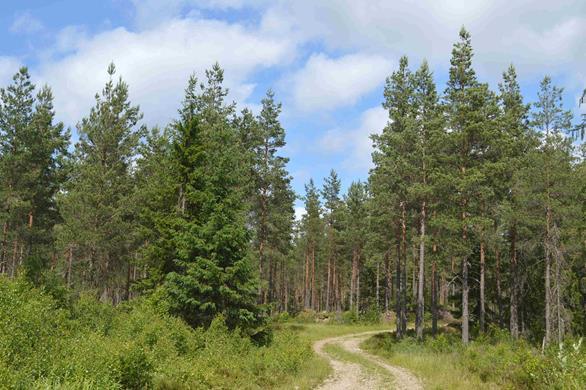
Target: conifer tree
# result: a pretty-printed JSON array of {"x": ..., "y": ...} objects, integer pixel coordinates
[
  {"x": 517, "y": 141},
  {"x": 213, "y": 274},
  {"x": 551, "y": 120},
  {"x": 33, "y": 152},
  {"x": 312, "y": 231},
  {"x": 471, "y": 114},
  {"x": 354, "y": 234},
  {"x": 271, "y": 194},
  {"x": 333, "y": 220},
  {"x": 392, "y": 166},
  {"x": 428, "y": 137},
  {"x": 98, "y": 227}
]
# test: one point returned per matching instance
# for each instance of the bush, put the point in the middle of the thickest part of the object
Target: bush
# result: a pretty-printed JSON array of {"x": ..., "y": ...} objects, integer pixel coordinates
[{"x": 91, "y": 345}]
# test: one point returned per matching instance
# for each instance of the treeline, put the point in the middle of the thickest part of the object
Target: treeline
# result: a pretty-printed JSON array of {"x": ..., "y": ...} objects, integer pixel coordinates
[
  {"x": 476, "y": 206},
  {"x": 182, "y": 213}
]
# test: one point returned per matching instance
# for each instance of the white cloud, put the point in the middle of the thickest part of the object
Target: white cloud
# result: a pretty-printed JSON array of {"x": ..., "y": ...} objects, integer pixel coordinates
[
  {"x": 356, "y": 143},
  {"x": 528, "y": 33},
  {"x": 326, "y": 83},
  {"x": 156, "y": 63},
  {"x": 26, "y": 23}
]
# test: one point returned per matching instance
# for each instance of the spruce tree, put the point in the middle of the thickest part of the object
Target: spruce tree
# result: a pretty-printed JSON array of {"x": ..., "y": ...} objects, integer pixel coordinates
[{"x": 213, "y": 274}]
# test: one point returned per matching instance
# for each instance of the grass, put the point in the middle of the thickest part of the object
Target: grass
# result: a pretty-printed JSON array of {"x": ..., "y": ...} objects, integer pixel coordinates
[{"x": 438, "y": 370}]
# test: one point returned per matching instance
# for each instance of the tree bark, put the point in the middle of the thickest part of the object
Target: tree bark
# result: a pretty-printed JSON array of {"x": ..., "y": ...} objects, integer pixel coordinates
[
  {"x": 482, "y": 298},
  {"x": 420, "y": 297},
  {"x": 499, "y": 299},
  {"x": 434, "y": 299},
  {"x": 514, "y": 319}
]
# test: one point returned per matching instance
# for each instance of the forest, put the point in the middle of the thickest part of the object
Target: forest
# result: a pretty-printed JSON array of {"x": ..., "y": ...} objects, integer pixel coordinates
[{"x": 170, "y": 257}]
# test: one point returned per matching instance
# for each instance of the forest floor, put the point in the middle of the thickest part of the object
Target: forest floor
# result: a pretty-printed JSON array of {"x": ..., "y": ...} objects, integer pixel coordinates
[{"x": 353, "y": 368}]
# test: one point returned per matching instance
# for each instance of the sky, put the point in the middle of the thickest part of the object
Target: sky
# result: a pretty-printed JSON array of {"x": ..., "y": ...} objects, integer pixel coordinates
[{"x": 325, "y": 60}]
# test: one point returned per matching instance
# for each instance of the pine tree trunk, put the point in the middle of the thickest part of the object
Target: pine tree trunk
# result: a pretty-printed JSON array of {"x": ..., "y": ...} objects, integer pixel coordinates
[
  {"x": 499, "y": 299},
  {"x": 482, "y": 298},
  {"x": 398, "y": 289},
  {"x": 514, "y": 319},
  {"x": 434, "y": 299},
  {"x": 313, "y": 281},
  {"x": 69, "y": 264},
  {"x": 328, "y": 283},
  {"x": 388, "y": 281},
  {"x": 420, "y": 298},
  {"x": 3, "y": 266},
  {"x": 404, "y": 278},
  {"x": 306, "y": 295},
  {"x": 358, "y": 295},
  {"x": 377, "y": 296},
  {"x": 260, "y": 271},
  {"x": 548, "y": 299}
]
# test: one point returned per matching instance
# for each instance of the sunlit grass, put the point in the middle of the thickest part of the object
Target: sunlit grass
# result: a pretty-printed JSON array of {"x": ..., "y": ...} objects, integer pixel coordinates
[{"x": 438, "y": 370}]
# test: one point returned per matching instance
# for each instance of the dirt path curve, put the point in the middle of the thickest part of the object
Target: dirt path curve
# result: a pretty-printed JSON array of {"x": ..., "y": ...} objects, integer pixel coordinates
[{"x": 354, "y": 376}]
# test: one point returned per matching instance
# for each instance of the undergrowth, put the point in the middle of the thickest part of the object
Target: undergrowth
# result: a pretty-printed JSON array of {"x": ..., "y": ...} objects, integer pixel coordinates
[{"x": 84, "y": 344}]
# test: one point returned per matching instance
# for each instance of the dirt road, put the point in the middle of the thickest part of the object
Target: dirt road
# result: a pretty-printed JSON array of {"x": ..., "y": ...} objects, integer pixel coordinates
[{"x": 353, "y": 375}]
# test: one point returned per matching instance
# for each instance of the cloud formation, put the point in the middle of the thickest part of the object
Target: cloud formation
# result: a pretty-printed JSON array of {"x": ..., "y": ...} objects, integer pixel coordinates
[
  {"x": 156, "y": 63},
  {"x": 326, "y": 83}
]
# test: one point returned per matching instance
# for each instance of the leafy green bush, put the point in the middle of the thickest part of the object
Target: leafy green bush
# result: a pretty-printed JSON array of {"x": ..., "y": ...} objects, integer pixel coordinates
[{"x": 90, "y": 345}]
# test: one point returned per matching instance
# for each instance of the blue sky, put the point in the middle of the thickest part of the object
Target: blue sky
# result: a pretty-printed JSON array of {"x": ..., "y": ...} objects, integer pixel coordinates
[{"x": 325, "y": 60}]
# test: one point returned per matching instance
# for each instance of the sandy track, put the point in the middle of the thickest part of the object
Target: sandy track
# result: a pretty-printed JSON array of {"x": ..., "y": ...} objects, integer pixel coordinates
[{"x": 348, "y": 375}]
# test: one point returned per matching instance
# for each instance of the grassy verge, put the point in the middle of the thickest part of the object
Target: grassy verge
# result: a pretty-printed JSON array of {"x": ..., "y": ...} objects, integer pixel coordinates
[
  {"x": 438, "y": 370},
  {"x": 491, "y": 361}
]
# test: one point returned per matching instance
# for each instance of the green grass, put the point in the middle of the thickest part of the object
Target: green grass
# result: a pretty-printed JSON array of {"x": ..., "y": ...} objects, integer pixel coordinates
[{"x": 439, "y": 370}]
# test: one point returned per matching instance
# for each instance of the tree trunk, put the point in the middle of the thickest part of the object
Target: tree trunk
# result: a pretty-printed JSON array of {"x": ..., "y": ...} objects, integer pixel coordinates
[
  {"x": 514, "y": 319},
  {"x": 420, "y": 298},
  {"x": 433, "y": 299},
  {"x": 398, "y": 289},
  {"x": 69, "y": 264},
  {"x": 328, "y": 283},
  {"x": 499, "y": 299},
  {"x": 313, "y": 281},
  {"x": 547, "y": 338},
  {"x": 306, "y": 295},
  {"x": 377, "y": 285},
  {"x": 482, "y": 298},
  {"x": 3, "y": 267},
  {"x": 404, "y": 279}
]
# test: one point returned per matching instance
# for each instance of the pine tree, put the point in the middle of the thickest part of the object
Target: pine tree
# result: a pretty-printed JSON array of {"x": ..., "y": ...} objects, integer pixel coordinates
[
  {"x": 551, "y": 120},
  {"x": 394, "y": 171},
  {"x": 332, "y": 217},
  {"x": 428, "y": 136},
  {"x": 98, "y": 227},
  {"x": 33, "y": 152},
  {"x": 312, "y": 231},
  {"x": 354, "y": 234},
  {"x": 517, "y": 142},
  {"x": 471, "y": 112},
  {"x": 271, "y": 194}
]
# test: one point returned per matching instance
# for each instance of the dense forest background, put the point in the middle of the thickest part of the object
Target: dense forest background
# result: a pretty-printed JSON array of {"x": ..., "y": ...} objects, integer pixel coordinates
[{"x": 475, "y": 207}]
